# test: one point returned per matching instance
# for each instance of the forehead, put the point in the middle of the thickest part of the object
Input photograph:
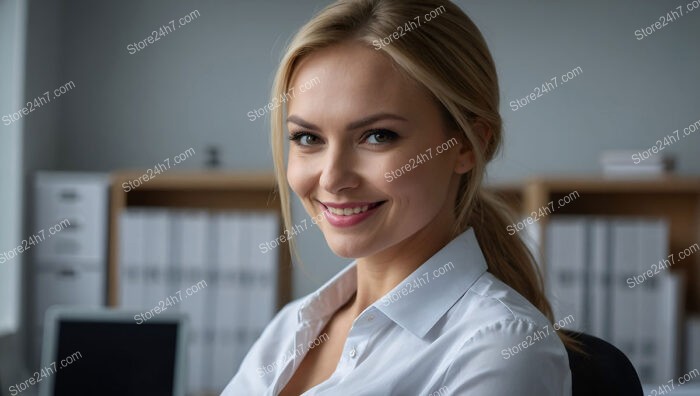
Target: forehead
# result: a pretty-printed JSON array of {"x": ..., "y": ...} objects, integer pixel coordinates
[{"x": 355, "y": 80}]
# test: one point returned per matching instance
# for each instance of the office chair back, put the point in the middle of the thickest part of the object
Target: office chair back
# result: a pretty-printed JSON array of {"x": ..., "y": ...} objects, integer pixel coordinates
[{"x": 605, "y": 370}]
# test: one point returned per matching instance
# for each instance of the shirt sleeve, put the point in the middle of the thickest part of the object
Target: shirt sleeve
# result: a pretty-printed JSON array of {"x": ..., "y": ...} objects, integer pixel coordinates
[{"x": 510, "y": 357}]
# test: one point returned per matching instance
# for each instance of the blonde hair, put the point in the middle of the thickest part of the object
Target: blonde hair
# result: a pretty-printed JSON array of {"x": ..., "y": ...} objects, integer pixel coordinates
[{"x": 449, "y": 57}]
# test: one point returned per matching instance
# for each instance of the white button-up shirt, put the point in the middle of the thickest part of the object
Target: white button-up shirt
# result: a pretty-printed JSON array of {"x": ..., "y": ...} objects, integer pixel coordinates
[{"x": 450, "y": 328}]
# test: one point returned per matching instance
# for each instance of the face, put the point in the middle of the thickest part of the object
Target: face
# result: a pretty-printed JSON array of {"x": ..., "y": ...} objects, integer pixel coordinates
[{"x": 370, "y": 154}]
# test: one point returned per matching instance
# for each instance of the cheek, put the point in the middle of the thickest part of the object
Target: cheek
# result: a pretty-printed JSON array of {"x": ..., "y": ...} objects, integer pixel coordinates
[
  {"x": 415, "y": 193},
  {"x": 420, "y": 187},
  {"x": 419, "y": 172},
  {"x": 299, "y": 175}
]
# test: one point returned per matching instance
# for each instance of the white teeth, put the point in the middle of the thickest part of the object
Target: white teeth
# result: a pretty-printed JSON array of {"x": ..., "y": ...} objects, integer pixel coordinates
[{"x": 348, "y": 211}]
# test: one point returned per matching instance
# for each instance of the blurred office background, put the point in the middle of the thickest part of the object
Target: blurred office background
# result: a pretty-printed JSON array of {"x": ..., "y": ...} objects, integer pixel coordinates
[{"x": 193, "y": 89}]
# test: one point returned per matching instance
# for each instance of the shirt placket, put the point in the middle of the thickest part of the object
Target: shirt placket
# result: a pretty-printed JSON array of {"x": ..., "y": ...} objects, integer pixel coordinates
[{"x": 355, "y": 348}]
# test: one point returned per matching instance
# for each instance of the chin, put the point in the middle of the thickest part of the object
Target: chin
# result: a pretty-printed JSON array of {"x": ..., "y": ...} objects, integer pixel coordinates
[{"x": 344, "y": 246}]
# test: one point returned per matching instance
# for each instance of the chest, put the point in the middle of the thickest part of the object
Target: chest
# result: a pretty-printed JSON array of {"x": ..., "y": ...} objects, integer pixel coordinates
[{"x": 322, "y": 358}]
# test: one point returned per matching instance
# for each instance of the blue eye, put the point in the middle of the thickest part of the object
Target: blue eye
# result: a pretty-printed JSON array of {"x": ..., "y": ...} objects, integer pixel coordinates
[
  {"x": 303, "y": 138},
  {"x": 373, "y": 137},
  {"x": 381, "y": 136}
]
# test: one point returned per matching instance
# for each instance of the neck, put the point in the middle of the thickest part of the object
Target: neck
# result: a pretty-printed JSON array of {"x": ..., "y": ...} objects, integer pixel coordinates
[{"x": 379, "y": 273}]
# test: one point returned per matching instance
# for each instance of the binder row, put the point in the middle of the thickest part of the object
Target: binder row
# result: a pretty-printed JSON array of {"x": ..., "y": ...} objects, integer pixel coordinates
[
  {"x": 589, "y": 260},
  {"x": 213, "y": 255}
]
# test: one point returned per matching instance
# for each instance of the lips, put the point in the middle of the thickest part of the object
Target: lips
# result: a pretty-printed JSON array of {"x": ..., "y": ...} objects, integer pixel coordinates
[
  {"x": 350, "y": 209},
  {"x": 351, "y": 213}
]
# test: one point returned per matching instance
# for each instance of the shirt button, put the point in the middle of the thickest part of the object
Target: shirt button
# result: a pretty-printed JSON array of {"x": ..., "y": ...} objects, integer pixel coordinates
[
  {"x": 370, "y": 318},
  {"x": 353, "y": 352}
]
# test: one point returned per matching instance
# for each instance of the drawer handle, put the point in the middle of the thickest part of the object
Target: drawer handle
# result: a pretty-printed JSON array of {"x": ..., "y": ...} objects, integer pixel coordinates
[
  {"x": 66, "y": 246},
  {"x": 67, "y": 272},
  {"x": 73, "y": 224},
  {"x": 69, "y": 195}
]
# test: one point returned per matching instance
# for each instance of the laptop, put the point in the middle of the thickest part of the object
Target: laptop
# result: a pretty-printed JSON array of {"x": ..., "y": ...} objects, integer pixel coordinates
[{"x": 106, "y": 352}]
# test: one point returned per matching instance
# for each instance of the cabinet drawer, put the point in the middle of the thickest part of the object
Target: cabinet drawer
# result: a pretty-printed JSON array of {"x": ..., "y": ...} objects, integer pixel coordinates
[{"x": 84, "y": 236}]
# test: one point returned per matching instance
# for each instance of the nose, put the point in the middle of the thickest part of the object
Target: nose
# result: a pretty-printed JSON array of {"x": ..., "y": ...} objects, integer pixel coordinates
[{"x": 339, "y": 170}]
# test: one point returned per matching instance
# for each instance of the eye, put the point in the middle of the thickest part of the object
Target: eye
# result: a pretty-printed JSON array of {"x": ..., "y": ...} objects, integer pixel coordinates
[
  {"x": 380, "y": 136},
  {"x": 304, "y": 138}
]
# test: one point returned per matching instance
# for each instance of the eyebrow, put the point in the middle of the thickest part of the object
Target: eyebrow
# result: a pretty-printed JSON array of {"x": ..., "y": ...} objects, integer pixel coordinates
[{"x": 353, "y": 125}]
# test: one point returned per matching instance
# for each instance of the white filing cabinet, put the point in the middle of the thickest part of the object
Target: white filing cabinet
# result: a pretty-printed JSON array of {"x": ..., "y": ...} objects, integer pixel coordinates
[{"x": 70, "y": 264}]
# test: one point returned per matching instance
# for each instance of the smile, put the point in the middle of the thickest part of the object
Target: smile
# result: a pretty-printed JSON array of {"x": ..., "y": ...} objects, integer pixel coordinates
[
  {"x": 349, "y": 214},
  {"x": 348, "y": 211}
]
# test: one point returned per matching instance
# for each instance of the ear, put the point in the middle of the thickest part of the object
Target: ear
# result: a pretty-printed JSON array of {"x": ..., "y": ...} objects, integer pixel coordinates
[{"x": 466, "y": 158}]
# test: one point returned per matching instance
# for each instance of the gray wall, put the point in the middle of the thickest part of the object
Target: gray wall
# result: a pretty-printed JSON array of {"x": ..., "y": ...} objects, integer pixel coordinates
[
  {"x": 194, "y": 87},
  {"x": 12, "y": 44},
  {"x": 631, "y": 92},
  {"x": 44, "y": 61}
]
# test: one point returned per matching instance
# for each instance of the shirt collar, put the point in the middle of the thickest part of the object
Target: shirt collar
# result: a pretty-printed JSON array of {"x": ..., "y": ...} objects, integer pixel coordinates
[
  {"x": 420, "y": 300},
  {"x": 328, "y": 298}
]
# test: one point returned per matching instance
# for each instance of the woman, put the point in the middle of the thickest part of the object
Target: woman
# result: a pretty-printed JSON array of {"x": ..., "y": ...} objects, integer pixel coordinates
[{"x": 389, "y": 148}]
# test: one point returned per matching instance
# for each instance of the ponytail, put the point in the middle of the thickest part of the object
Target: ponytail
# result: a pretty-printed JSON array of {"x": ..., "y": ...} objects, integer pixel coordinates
[{"x": 507, "y": 256}]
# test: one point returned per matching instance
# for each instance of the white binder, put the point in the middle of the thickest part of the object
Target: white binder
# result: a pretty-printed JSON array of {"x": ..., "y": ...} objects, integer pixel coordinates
[
  {"x": 625, "y": 300},
  {"x": 131, "y": 259},
  {"x": 600, "y": 278},
  {"x": 191, "y": 228},
  {"x": 228, "y": 299},
  {"x": 156, "y": 240},
  {"x": 566, "y": 268}
]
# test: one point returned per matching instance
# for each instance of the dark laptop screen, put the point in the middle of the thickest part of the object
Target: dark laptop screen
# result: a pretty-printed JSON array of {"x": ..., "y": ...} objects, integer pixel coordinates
[{"x": 103, "y": 358}]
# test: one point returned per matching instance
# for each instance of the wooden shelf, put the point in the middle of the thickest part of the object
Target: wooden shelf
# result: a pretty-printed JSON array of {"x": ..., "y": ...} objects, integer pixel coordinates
[
  {"x": 211, "y": 180},
  {"x": 214, "y": 191},
  {"x": 675, "y": 198}
]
